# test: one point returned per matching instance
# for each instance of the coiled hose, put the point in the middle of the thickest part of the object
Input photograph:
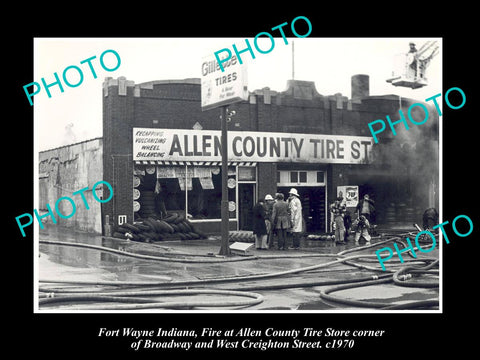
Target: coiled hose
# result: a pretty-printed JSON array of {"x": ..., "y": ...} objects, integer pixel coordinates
[
  {"x": 395, "y": 278},
  {"x": 326, "y": 294},
  {"x": 256, "y": 298}
]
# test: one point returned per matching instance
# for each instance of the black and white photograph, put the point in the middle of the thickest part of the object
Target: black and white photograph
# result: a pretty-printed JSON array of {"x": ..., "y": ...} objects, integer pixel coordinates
[
  {"x": 325, "y": 197},
  {"x": 242, "y": 184}
]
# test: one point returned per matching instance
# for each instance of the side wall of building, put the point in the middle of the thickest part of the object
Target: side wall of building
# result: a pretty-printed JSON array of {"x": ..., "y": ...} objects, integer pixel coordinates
[{"x": 68, "y": 169}]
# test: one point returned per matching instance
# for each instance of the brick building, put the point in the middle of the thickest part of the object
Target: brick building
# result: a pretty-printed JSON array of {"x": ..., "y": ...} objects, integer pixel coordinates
[{"x": 327, "y": 136}]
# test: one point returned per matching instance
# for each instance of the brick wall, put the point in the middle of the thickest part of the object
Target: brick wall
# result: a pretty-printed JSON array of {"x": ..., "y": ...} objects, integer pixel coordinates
[{"x": 118, "y": 114}]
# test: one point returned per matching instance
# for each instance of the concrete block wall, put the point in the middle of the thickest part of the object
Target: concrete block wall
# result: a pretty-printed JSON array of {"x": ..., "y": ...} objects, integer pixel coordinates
[{"x": 62, "y": 172}]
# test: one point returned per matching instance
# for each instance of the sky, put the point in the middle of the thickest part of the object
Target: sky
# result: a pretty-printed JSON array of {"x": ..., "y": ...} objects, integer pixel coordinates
[{"x": 76, "y": 114}]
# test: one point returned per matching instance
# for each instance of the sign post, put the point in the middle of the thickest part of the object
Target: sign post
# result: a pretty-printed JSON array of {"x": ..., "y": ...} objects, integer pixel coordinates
[
  {"x": 219, "y": 89},
  {"x": 224, "y": 248}
]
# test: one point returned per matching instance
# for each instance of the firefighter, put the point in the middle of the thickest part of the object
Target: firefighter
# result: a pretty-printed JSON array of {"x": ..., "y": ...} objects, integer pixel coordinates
[
  {"x": 347, "y": 221},
  {"x": 365, "y": 207},
  {"x": 295, "y": 207},
  {"x": 430, "y": 217},
  {"x": 338, "y": 212},
  {"x": 361, "y": 226}
]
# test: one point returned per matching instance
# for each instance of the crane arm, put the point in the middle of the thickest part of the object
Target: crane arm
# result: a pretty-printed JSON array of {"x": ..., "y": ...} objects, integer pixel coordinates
[{"x": 429, "y": 45}]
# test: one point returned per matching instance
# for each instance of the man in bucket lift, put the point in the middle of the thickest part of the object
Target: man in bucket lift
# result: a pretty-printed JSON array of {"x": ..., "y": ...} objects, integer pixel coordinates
[{"x": 412, "y": 59}]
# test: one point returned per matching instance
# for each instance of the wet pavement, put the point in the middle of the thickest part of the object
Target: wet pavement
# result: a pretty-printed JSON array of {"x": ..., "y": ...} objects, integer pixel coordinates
[{"x": 195, "y": 263}]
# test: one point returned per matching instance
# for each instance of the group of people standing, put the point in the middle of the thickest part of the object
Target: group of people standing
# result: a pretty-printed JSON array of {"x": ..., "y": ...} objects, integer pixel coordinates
[
  {"x": 280, "y": 219},
  {"x": 342, "y": 220}
]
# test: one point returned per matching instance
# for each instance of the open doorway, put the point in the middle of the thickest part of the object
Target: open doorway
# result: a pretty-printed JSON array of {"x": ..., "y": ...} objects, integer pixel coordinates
[
  {"x": 246, "y": 201},
  {"x": 313, "y": 206}
]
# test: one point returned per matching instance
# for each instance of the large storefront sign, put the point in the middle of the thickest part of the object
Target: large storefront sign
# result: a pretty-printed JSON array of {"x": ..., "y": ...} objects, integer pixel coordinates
[{"x": 151, "y": 144}]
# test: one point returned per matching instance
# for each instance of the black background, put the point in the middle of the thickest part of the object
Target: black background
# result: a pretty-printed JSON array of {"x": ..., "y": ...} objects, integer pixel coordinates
[{"x": 61, "y": 335}]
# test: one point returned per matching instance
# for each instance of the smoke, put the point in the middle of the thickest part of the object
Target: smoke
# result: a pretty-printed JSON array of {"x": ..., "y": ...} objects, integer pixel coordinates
[
  {"x": 69, "y": 136},
  {"x": 412, "y": 156}
]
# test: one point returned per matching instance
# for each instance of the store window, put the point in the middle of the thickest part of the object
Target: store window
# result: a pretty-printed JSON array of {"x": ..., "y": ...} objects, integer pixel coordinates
[
  {"x": 204, "y": 193},
  {"x": 294, "y": 176},
  {"x": 196, "y": 189},
  {"x": 247, "y": 173},
  {"x": 300, "y": 178}
]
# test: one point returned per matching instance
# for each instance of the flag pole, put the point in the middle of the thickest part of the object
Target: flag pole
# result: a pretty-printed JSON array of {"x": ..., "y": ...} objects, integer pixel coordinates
[{"x": 293, "y": 60}]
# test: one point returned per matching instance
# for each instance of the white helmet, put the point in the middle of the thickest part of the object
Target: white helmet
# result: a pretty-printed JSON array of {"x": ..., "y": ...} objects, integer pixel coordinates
[{"x": 293, "y": 191}]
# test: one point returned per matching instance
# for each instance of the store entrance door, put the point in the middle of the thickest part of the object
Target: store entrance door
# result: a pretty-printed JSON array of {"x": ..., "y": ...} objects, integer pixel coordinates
[
  {"x": 313, "y": 206},
  {"x": 246, "y": 201}
]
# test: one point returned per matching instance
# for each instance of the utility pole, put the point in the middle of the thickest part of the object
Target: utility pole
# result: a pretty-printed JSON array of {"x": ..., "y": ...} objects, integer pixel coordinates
[
  {"x": 216, "y": 95},
  {"x": 224, "y": 247}
]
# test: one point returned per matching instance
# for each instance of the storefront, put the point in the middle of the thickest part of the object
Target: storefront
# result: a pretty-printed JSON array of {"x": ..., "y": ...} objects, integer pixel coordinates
[
  {"x": 180, "y": 170},
  {"x": 161, "y": 152}
]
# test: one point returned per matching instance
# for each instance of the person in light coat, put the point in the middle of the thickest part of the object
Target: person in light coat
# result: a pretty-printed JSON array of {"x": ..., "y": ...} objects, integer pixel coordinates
[{"x": 295, "y": 207}]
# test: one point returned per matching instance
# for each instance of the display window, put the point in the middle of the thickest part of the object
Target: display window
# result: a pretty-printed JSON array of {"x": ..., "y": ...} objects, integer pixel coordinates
[{"x": 194, "y": 189}]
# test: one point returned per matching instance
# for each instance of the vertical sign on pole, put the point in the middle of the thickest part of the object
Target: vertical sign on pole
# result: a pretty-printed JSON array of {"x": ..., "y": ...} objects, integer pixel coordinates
[{"x": 219, "y": 89}]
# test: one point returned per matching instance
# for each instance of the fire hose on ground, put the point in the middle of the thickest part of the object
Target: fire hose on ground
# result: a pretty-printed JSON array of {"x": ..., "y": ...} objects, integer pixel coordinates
[
  {"x": 326, "y": 294},
  {"x": 142, "y": 303},
  {"x": 131, "y": 301}
]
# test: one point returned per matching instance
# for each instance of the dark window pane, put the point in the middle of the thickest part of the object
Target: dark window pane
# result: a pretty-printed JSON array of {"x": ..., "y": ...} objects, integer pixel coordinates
[
  {"x": 320, "y": 177},
  {"x": 303, "y": 176},
  {"x": 293, "y": 176}
]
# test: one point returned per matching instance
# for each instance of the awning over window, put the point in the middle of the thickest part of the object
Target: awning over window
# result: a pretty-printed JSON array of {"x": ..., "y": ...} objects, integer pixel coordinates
[{"x": 196, "y": 163}]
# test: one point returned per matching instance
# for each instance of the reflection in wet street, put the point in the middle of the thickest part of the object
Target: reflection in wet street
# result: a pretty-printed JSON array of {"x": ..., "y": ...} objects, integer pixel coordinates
[{"x": 185, "y": 275}]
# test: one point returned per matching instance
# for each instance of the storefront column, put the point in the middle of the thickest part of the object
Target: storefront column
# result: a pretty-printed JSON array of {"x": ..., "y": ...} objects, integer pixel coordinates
[{"x": 267, "y": 179}]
